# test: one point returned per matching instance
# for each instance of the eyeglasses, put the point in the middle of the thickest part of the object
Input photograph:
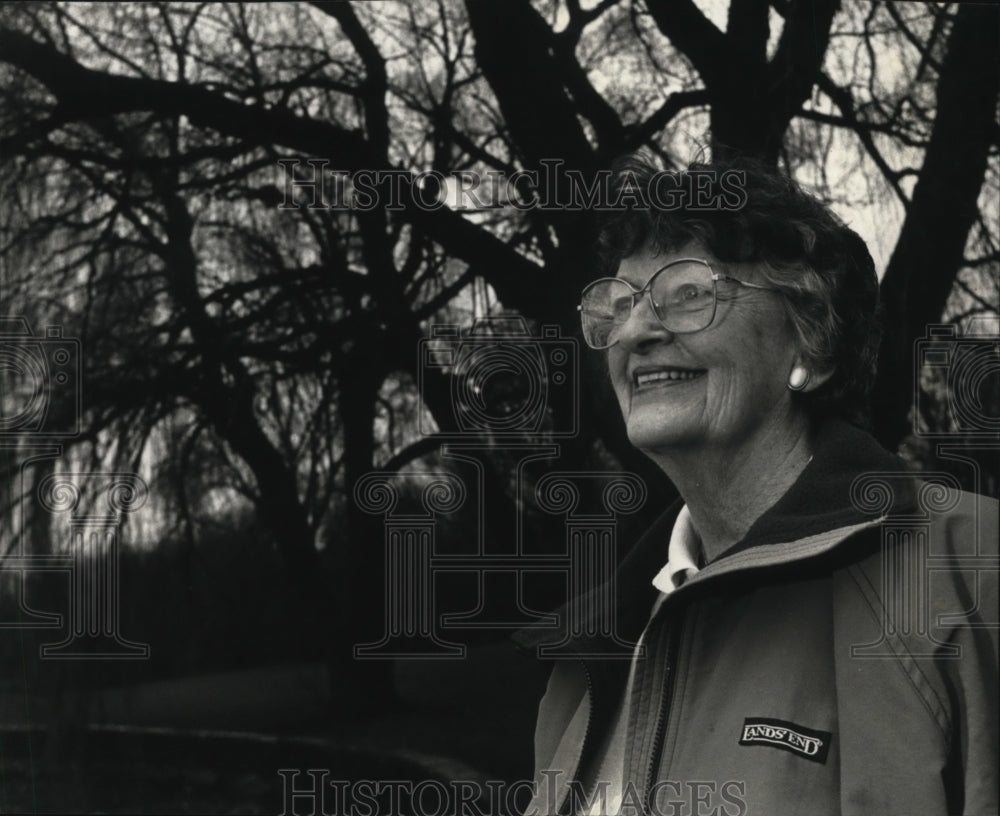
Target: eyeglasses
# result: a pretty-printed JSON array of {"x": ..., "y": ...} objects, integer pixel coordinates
[{"x": 683, "y": 295}]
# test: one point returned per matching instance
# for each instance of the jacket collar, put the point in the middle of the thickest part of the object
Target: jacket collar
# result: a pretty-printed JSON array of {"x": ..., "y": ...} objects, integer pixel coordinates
[
  {"x": 827, "y": 495},
  {"x": 825, "y": 506}
]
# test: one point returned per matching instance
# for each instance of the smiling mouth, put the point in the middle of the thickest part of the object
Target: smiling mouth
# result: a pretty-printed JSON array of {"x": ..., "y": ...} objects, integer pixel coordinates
[{"x": 665, "y": 375}]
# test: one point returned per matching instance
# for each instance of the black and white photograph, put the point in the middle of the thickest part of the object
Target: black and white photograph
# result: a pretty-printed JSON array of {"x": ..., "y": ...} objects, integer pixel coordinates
[{"x": 500, "y": 408}]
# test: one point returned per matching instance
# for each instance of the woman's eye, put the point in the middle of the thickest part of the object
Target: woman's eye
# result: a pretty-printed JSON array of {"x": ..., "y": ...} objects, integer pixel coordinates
[
  {"x": 621, "y": 307},
  {"x": 688, "y": 293}
]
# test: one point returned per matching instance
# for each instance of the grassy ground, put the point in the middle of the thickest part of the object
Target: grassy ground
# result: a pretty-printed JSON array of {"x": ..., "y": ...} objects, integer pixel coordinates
[
  {"x": 133, "y": 772},
  {"x": 467, "y": 719}
]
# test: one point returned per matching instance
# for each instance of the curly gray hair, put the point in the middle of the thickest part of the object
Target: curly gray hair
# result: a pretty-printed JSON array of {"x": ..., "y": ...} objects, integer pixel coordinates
[{"x": 822, "y": 267}]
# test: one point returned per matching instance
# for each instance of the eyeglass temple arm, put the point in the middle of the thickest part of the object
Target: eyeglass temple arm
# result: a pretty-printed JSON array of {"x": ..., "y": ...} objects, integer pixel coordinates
[{"x": 717, "y": 277}]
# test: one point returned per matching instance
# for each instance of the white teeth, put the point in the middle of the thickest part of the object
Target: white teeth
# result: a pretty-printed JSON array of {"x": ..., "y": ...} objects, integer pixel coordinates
[{"x": 659, "y": 376}]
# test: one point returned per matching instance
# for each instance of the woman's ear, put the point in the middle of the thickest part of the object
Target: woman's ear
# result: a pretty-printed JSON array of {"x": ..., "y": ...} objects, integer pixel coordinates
[{"x": 819, "y": 378}]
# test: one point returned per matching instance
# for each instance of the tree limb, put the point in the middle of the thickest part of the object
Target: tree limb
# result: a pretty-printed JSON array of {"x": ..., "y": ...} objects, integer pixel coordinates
[
  {"x": 376, "y": 83},
  {"x": 87, "y": 94},
  {"x": 693, "y": 34}
]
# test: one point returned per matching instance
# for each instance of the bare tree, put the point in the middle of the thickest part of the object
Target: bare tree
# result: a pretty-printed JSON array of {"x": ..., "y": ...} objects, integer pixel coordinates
[{"x": 148, "y": 150}]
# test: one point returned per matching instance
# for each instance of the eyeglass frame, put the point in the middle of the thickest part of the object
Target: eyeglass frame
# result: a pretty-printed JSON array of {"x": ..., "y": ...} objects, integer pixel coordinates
[{"x": 648, "y": 291}]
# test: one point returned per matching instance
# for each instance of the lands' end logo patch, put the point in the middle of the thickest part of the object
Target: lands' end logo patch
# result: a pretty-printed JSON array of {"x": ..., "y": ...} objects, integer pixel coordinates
[{"x": 809, "y": 744}]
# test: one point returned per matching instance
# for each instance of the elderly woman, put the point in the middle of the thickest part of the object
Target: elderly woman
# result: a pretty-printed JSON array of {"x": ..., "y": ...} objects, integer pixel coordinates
[{"x": 794, "y": 655}]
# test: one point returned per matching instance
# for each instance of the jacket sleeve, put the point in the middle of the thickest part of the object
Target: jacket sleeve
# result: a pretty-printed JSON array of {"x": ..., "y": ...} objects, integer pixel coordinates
[
  {"x": 563, "y": 715},
  {"x": 916, "y": 640},
  {"x": 971, "y": 676}
]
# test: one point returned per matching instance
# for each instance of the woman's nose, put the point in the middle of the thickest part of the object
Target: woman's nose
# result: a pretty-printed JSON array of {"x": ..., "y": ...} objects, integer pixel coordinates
[{"x": 643, "y": 327}]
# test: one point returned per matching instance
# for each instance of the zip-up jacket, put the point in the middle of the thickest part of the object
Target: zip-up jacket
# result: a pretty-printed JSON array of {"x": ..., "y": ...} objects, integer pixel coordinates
[{"x": 840, "y": 659}]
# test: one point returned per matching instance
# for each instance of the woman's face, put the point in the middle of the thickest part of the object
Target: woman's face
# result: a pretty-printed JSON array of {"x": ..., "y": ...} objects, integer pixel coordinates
[{"x": 729, "y": 380}]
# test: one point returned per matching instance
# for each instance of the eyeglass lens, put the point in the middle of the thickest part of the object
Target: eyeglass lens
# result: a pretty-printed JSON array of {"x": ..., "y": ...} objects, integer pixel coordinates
[{"x": 683, "y": 296}]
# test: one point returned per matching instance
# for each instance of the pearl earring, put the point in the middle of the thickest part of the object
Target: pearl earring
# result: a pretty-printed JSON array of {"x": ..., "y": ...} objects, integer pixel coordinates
[{"x": 798, "y": 379}]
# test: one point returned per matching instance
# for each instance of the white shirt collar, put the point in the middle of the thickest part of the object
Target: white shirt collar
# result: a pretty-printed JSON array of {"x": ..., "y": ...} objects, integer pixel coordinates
[{"x": 682, "y": 554}]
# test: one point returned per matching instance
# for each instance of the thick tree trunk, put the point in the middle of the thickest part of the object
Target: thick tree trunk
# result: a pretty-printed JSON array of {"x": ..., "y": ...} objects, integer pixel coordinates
[
  {"x": 360, "y": 686},
  {"x": 752, "y": 99},
  {"x": 932, "y": 242}
]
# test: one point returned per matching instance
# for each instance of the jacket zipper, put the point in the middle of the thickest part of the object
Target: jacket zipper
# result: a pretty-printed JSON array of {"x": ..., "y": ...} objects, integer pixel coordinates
[
  {"x": 664, "y": 708},
  {"x": 584, "y": 760},
  {"x": 673, "y": 645}
]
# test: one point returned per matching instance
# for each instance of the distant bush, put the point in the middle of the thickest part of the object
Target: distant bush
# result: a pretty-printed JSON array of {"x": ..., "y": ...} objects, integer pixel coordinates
[{"x": 223, "y": 604}]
